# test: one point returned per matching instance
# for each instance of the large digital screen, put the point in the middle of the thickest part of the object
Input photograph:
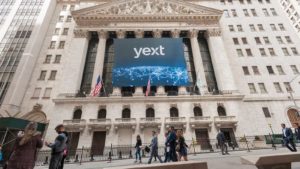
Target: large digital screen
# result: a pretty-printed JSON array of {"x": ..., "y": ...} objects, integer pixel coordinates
[{"x": 161, "y": 60}]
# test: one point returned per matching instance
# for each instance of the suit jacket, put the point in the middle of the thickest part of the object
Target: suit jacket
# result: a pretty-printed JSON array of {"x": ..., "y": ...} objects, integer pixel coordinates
[
  {"x": 154, "y": 143},
  {"x": 287, "y": 134},
  {"x": 297, "y": 132},
  {"x": 171, "y": 139},
  {"x": 221, "y": 138}
]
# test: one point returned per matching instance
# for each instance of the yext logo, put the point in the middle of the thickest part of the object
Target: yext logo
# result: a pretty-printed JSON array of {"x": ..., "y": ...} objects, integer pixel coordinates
[{"x": 149, "y": 51}]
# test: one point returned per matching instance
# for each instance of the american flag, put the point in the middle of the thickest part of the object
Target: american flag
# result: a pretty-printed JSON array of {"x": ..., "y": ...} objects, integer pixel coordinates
[
  {"x": 97, "y": 88},
  {"x": 148, "y": 87}
]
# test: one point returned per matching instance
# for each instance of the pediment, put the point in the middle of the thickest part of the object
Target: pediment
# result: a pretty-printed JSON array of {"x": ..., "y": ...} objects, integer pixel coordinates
[{"x": 145, "y": 11}]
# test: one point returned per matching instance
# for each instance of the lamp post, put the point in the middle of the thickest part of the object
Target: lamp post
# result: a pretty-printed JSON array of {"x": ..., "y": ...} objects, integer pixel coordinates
[{"x": 272, "y": 138}]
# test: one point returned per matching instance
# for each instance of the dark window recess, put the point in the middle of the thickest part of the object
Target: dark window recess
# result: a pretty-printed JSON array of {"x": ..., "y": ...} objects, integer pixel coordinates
[
  {"x": 77, "y": 114},
  {"x": 221, "y": 111},
  {"x": 126, "y": 113},
  {"x": 174, "y": 112},
  {"x": 150, "y": 113},
  {"x": 152, "y": 90},
  {"x": 197, "y": 111},
  {"x": 127, "y": 91},
  {"x": 108, "y": 65},
  {"x": 102, "y": 114},
  {"x": 266, "y": 112},
  {"x": 171, "y": 90}
]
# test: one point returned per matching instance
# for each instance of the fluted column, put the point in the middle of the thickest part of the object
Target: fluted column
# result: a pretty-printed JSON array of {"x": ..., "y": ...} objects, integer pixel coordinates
[
  {"x": 117, "y": 90},
  {"x": 220, "y": 60},
  {"x": 160, "y": 89},
  {"x": 198, "y": 63},
  {"x": 139, "y": 90},
  {"x": 98, "y": 68}
]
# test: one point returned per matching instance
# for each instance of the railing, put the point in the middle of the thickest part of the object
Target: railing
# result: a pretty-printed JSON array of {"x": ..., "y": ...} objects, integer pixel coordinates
[
  {"x": 150, "y": 120},
  {"x": 74, "y": 121},
  {"x": 200, "y": 119},
  {"x": 125, "y": 120},
  {"x": 175, "y": 119},
  {"x": 100, "y": 121},
  {"x": 225, "y": 118}
]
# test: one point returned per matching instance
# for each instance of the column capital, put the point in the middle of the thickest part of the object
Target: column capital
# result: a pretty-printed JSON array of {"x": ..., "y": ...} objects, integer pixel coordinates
[
  {"x": 213, "y": 32},
  {"x": 175, "y": 33},
  {"x": 120, "y": 34},
  {"x": 139, "y": 33},
  {"x": 79, "y": 33},
  {"x": 102, "y": 34},
  {"x": 193, "y": 33},
  {"x": 157, "y": 33}
]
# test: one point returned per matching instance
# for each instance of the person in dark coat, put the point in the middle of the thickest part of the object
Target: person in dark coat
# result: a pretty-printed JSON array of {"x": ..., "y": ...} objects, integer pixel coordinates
[
  {"x": 297, "y": 131},
  {"x": 182, "y": 152},
  {"x": 65, "y": 154},
  {"x": 25, "y": 149},
  {"x": 288, "y": 138},
  {"x": 167, "y": 149},
  {"x": 222, "y": 142},
  {"x": 138, "y": 147},
  {"x": 154, "y": 148},
  {"x": 171, "y": 141},
  {"x": 57, "y": 147}
]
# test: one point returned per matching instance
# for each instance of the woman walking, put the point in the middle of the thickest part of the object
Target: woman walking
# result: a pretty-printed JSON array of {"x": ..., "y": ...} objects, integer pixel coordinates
[
  {"x": 25, "y": 149},
  {"x": 182, "y": 146},
  {"x": 138, "y": 147}
]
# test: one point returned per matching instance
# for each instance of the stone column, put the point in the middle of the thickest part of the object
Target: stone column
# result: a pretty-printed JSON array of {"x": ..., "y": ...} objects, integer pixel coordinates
[
  {"x": 181, "y": 89},
  {"x": 198, "y": 63},
  {"x": 160, "y": 89},
  {"x": 220, "y": 60},
  {"x": 117, "y": 90},
  {"x": 98, "y": 69},
  {"x": 139, "y": 90}
]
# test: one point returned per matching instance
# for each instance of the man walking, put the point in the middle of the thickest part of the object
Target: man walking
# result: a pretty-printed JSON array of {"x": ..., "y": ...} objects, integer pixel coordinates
[
  {"x": 288, "y": 138},
  {"x": 171, "y": 142},
  {"x": 154, "y": 148},
  {"x": 222, "y": 142},
  {"x": 297, "y": 131},
  {"x": 57, "y": 147}
]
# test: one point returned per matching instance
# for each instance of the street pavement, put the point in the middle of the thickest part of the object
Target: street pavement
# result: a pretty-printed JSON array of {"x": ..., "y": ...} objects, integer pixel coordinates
[{"x": 214, "y": 161}]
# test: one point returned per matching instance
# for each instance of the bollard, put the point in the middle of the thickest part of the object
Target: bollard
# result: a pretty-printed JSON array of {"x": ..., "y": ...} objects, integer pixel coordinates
[
  {"x": 120, "y": 155},
  {"x": 143, "y": 153},
  {"x": 92, "y": 157},
  {"x": 46, "y": 160},
  {"x": 76, "y": 158},
  {"x": 130, "y": 154}
]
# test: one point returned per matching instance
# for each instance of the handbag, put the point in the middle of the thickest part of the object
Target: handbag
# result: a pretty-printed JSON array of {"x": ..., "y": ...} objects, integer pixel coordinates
[{"x": 177, "y": 147}]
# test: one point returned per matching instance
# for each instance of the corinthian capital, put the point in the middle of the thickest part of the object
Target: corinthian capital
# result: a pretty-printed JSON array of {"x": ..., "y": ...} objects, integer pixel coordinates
[
  {"x": 175, "y": 33},
  {"x": 102, "y": 34},
  {"x": 193, "y": 33},
  {"x": 157, "y": 33},
  {"x": 213, "y": 32},
  {"x": 78, "y": 33},
  {"x": 120, "y": 34},
  {"x": 139, "y": 34}
]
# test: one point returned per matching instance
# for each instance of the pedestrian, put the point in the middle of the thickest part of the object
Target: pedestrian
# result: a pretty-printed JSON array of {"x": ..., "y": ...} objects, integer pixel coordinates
[
  {"x": 57, "y": 147},
  {"x": 138, "y": 147},
  {"x": 66, "y": 151},
  {"x": 154, "y": 148},
  {"x": 288, "y": 138},
  {"x": 222, "y": 142},
  {"x": 1, "y": 157},
  {"x": 171, "y": 141},
  {"x": 25, "y": 148},
  {"x": 182, "y": 153},
  {"x": 167, "y": 149},
  {"x": 297, "y": 131}
]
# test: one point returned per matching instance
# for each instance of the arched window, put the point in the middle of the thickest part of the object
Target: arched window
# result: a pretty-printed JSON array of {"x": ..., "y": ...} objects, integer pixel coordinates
[
  {"x": 150, "y": 113},
  {"x": 102, "y": 114},
  {"x": 293, "y": 117},
  {"x": 221, "y": 111},
  {"x": 174, "y": 112},
  {"x": 197, "y": 111},
  {"x": 77, "y": 114},
  {"x": 126, "y": 113}
]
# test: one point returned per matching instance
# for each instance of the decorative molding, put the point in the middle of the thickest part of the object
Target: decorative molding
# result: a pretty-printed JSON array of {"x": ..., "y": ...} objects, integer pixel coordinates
[
  {"x": 213, "y": 32},
  {"x": 103, "y": 34},
  {"x": 78, "y": 33},
  {"x": 175, "y": 33},
  {"x": 157, "y": 33},
  {"x": 120, "y": 34},
  {"x": 139, "y": 34},
  {"x": 193, "y": 33}
]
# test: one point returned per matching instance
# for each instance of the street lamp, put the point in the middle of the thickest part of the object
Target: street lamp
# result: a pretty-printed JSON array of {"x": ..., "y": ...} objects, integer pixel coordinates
[
  {"x": 272, "y": 138},
  {"x": 291, "y": 94}
]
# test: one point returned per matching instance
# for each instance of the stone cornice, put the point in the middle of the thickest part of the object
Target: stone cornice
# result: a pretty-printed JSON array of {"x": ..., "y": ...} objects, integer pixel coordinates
[
  {"x": 213, "y": 32},
  {"x": 78, "y": 33}
]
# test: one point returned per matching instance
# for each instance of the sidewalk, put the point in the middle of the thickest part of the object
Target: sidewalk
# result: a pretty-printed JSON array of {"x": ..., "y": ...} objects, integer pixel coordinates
[{"x": 214, "y": 160}]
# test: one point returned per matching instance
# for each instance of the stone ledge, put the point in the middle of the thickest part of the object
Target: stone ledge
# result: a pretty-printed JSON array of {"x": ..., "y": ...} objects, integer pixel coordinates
[{"x": 177, "y": 165}]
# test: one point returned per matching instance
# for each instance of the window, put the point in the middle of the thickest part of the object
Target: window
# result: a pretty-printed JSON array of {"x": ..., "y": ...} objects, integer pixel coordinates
[
  {"x": 270, "y": 70},
  {"x": 226, "y": 13},
  {"x": 77, "y": 114},
  {"x": 36, "y": 93},
  {"x": 288, "y": 39},
  {"x": 288, "y": 86},
  {"x": 234, "y": 14},
  {"x": 198, "y": 111},
  {"x": 102, "y": 114},
  {"x": 294, "y": 69},
  {"x": 280, "y": 70},
  {"x": 65, "y": 31},
  {"x": 252, "y": 28},
  {"x": 260, "y": 27},
  {"x": 239, "y": 52},
  {"x": 273, "y": 11},
  {"x": 235, "y": 41},
  {"x": 266, "y": 112},
  {"x": 43, "y": 75},
  {"x": 267, "y": 41},
  {"x": 52, "y": 45},
  {"x": 72, "y": 7},
  {"x": 174, "y": 112},
  {"x": 246, "y": 13},
  {"x": 126, "y": 113},
  {"x": 252, "y": 88},
  {"x": 294, "y": 50},
  {"x": 244, "y": 40},
  {"x": 240, "y": 28},
  {"x": 221, "y": 111},
  {"x": 56, "y": 31},
  {"x": 150, "y": 112},
  {"x": 249, "y": 52},
  {"x": 255, "y": 70},
  {"x": 257, "y": 40},
  {"x": 253, "y": 12},
  {"x": 64, "y": 7},
  {"x": 52, "y": 75},
  {"x": 277, "y": 87},
  {"x": 61, "y": 45},
  {"x": 265, "y": 11},
  {"x": 273, "y": 27},
  {"x": 47, "y": 93},
  {"x": 231, "y": 28},
  {"x": 48, "y": 59},
  {"x": 272, "y": 52},
  {"x": 285, "y": 52},
  {"x": 262, "y": 88},
  {"x": 57, "y": 59},
  {"x": 246, "y": 70},
  {"x": 281, "y": 27},
  {"x": 279, "y": 39},
  {"x": 61, "y": 18},
  {"x": 262, "y": 52},
  {"x": 69, "y": 19}
]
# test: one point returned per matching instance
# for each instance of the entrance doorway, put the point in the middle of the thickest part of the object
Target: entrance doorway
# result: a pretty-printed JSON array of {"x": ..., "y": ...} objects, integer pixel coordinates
[
  {"x": 73, "y": 142},
  {"x": 293, "y": 117},
  {"x": 98, "y": 142},
  {"x": 203, "y": 139},
  {"x": 229, "y": 136}
]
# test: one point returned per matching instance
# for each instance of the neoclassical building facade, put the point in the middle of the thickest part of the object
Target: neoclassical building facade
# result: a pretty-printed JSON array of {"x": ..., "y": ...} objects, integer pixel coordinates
[{"x": 246, "y": 63}]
